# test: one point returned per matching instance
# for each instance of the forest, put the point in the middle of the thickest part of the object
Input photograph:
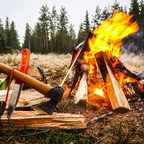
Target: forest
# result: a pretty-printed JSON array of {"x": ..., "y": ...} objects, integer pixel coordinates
[{"x": 53, "y": 33}]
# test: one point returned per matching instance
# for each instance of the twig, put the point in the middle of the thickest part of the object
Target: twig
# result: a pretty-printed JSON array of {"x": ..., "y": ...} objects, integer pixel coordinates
[
  {"x": 96, "y": 118},
  {"x": 34, "y": 133}
]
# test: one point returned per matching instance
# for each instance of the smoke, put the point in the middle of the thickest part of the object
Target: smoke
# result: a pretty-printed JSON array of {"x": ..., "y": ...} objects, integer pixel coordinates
[{"x": 131, "y": 44}]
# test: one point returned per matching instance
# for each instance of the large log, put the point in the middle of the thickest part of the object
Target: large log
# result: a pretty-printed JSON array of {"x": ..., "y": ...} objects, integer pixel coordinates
[
  {"x": 115, "y": 93},
  {"x": 33, "y": 120}
]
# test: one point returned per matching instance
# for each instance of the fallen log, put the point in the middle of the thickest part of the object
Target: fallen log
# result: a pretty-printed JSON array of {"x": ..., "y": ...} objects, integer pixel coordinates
[
  {"x": 32, "y": 120},
  {"x": 115, "y": 93}
]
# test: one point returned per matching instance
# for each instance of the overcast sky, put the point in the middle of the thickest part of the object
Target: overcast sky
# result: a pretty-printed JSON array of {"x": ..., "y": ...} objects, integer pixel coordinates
[{"x": 27, "y": 11}]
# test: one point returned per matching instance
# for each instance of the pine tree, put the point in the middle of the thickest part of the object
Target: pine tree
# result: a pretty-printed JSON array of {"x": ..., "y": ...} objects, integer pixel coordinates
[
  {"x": 27, "y": 38},
  {"x": 62, "y": 33},
  {"x": 14, "y": 38},
  {"x": 96, "y": 21},
  {"x": 8, "y": 36},
  {"x": 86, "y": 25},
  {"x": 72, "y": 39},
  {"x": 141, "y": 15},
  {"x": 80, "y": 36},
  {"x": 44, "y": 21},
  {"x": 53, "y": 29},
  {"x": 2, "y": 39},
  {"x": 134, "y": 9},
  {"x": 105, "y": 14},
  {"x": 37, "y": 36},
  {"x": 115, "y": 6}
]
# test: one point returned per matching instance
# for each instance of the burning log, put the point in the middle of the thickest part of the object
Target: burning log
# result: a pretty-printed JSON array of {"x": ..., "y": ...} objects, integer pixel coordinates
[
  {"x": 115, "y": 93},
  {"x": 82, "y": 92},
  {"x": 74, "y": 72}
]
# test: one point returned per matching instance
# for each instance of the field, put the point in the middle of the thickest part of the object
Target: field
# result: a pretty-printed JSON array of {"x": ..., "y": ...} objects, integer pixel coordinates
[{"x": 117, "y": 128}]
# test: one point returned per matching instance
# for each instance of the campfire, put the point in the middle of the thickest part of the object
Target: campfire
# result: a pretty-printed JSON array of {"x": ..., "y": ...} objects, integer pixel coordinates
[{"x": 97, "y": 76}]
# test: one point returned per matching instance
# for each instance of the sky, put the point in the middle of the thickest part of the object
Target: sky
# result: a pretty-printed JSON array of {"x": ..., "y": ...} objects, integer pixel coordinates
[{"x": 27, "y": 11}]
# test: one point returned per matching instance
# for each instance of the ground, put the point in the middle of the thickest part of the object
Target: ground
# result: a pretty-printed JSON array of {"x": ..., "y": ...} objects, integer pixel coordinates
[{"x": 113, "y": 128}]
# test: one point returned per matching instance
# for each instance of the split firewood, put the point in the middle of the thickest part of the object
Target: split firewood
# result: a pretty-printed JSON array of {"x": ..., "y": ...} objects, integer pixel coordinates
[
  {"x": 35, "y": 73},
  {"x": 33, "y": 120},
  {"x": 115, "y": 93},
  {"x": 74, "y": 72},
  {"x": 81, "y": 97}
]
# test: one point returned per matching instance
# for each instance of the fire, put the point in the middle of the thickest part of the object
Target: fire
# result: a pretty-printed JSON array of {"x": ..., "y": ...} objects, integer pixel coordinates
[
  {"x": 122, "y": 80},
  {"x": 107, "y": 38}
]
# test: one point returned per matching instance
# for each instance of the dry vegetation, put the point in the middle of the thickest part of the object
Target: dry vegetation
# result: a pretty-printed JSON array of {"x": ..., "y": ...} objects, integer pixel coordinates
[{"x": 116, "y": 128}]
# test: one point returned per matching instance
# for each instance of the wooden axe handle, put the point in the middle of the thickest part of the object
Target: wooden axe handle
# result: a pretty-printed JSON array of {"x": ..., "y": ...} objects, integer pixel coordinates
[{"x": 31, "y": 82}]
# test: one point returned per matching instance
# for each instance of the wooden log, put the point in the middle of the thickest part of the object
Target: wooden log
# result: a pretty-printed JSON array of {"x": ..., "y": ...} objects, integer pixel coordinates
[
  {"x": 33, "y": 120},
  {"x": 115, "y": 93},
  {"x": 70, "y": 79},
  {"x": 81, "y": 95}
]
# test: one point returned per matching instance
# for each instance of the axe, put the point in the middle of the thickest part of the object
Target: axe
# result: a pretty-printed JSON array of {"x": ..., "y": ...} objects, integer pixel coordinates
[{"x": 54, "y": 93}]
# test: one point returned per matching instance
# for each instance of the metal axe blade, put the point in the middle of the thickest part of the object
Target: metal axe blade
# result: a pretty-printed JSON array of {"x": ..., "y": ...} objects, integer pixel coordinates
[{"x": 48, "y": 107}]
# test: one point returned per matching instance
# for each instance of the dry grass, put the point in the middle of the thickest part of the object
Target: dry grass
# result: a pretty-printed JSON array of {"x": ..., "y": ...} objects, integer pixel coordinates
[
  {"x": 51, "y": 60},
  {"x": 134, "y": 60}
]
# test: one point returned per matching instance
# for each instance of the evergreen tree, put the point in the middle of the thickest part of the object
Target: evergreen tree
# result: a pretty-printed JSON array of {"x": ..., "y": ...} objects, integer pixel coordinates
[
  {"x": 72, "y": 37},
  {"x": 37, "y": 36},
  {"x": 44, "y": 21},
  {"x": 96, "y": 21},
  {"x": 53, "y": 29},
  {"x": 134, "y": 9},
  {"x": 86, "y": 25},
  {"x": 141, "y": 15},
  {"x": 116, "y": 6},
  {"x": 27, "y": 38},
  {"x": 8, "y": 36},
  {"x": 2, "y": 39},
  {"x": 80, "y": 36},
  {"x": 105, "y": 14},
  {"x": 14, "y": 37},
  {"x": 62, "y": 33}
]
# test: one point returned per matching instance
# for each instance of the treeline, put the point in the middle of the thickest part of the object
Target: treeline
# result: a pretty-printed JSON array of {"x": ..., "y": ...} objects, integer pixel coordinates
[{"x": 54, "y": 33}]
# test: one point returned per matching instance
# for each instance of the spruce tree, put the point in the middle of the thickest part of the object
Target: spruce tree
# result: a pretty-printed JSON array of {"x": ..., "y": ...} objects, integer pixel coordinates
[
  {"x": 44, "y": 21},
  {"x": 37, "y": 36},
  {"x": 134, "y": 9},
  {"x": 80, "y": 37},
  {"x": 8, "y": 36},
  {"x": 14, "y": 38},
  {"x": 115, "y": 6},
  {"x": 72, "y": 40},
  {"x": 86, "y": 25},
  {"x": 2, "y": 39},
  {"x": 105, "y": 14},
  {"x": 141, "y": 15},
  {"x": 96, "y": 21},
  {"x": 62, "y": 33},
  {"x": 53, "y": 29},
  {"x": 27, "y": 38}
]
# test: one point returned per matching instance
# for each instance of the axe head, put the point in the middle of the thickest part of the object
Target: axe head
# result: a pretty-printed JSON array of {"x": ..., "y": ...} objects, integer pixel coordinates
[{"x": 48, "y": 107}]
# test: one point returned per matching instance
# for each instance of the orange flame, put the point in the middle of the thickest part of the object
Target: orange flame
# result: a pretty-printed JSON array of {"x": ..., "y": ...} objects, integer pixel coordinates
[
  {"x": 122, "y": 80},
  {"x": 107, "y": 38},
  {"x": 109, "y": 34}
]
